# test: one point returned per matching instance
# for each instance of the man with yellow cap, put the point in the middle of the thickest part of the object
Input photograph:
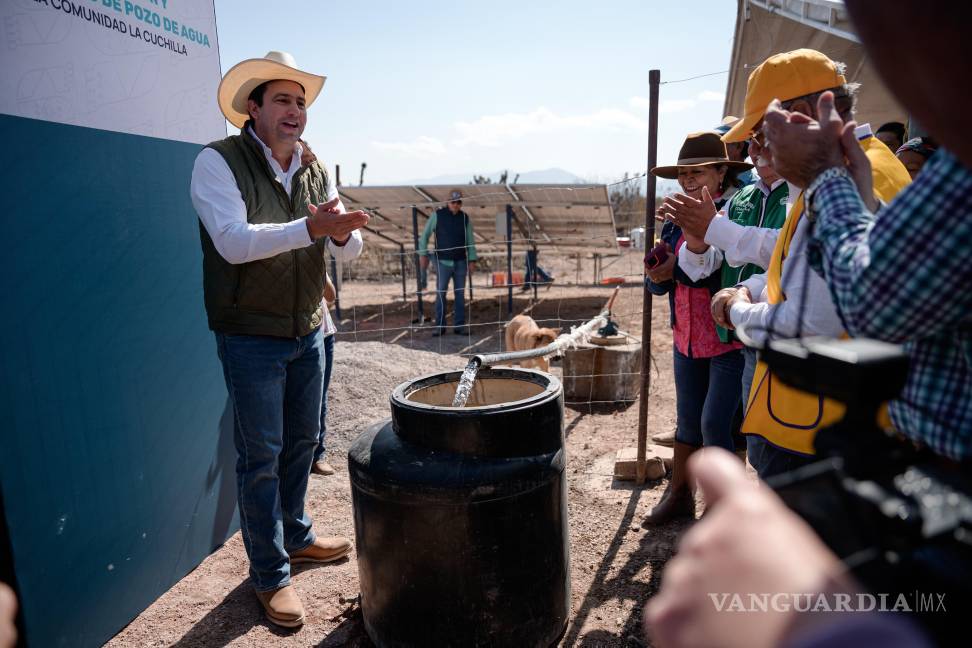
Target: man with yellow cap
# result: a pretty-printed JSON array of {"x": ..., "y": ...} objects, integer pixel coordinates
[
  {"x": 790, "y": 299},
  {"x": 266, "y": 223}
]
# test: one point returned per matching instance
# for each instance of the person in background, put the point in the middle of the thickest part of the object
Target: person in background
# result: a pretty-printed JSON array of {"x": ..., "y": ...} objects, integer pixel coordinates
[
  {"x": 707, "y": 370},
  {"x": 534, "y": 273},
  {"x": 267, "y": 224},
  {"x": 789, "y": 298},
  {"x": 320, "y": 465},
  {"x": 743, "y": 234},
  {"x": 737, "y": 152},
  {"x": 928, "y": 308},
  {"x": 751, "y": 542},
  {"x": 455, "y": 250},
  {"x": 915, "y": 152},
  {"x": 892, "y": 134}
]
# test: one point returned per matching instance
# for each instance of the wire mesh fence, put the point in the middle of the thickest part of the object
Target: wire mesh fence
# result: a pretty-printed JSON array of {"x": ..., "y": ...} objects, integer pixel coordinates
[{"x": 376, "y": 307}]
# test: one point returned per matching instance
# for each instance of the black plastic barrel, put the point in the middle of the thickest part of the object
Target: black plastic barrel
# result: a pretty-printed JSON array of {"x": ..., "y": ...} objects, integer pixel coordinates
[{"x": 460, "y": 514}]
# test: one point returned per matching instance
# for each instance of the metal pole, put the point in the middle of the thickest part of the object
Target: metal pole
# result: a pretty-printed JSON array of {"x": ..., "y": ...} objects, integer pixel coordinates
[
  {"x": 654, "y": 79},
  {"x": 401, "y": 258},
  {"x": 418, "y": 266},
  {"x": 536, "y": 271},
  {"x": 337, "y": 288},
  {"x": 509, "y": 259}
]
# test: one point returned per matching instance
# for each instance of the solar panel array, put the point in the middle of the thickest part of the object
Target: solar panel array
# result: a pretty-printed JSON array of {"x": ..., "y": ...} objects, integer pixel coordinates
[{"x": 570, "y": 218}]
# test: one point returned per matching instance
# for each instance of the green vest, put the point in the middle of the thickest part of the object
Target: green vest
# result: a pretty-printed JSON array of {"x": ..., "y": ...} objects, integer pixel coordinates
[
  {"x": 279, "y": 296},
  {"x": 750, "y": 210}
]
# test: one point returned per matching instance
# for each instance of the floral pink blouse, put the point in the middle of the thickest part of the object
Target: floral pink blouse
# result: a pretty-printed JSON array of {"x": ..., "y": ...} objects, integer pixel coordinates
[{"x": 694, "y": 327}]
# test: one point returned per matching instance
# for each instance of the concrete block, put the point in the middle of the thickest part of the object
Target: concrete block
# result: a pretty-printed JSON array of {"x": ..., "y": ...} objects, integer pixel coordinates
[{"x": 626, "y": 465}]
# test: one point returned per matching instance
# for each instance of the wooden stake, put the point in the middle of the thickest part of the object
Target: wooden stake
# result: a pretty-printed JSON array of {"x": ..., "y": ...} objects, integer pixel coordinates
[{"x": 654, "y": 79}]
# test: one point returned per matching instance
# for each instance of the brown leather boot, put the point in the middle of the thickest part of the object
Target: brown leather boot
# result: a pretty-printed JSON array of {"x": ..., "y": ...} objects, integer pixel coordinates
[
  {"x": 322, "y": 550},
  {"x": 666, "y": 439},
  {"x": 283, "y": 606},
  {"x": 679, "y": 498},
  {"x": 322, "y": 468}
]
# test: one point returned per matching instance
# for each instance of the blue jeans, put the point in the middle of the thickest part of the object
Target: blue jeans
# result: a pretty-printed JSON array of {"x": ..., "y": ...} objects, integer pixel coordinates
[
  {"x": 749, "y": 370},
  {"x": 328, "y": 363},
  {"x": 764, "y": 457},
  {"x": 275, "y": 386},
  {"x": 456, "y": 272},
  {"x": 707, "y": 398},
  {"x": 534, "y": 273},
  {"x": 768, "y": 460}
]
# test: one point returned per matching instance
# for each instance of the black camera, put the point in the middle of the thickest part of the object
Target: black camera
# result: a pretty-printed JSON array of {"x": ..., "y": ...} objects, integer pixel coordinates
[{"x": 899, "y": 516}]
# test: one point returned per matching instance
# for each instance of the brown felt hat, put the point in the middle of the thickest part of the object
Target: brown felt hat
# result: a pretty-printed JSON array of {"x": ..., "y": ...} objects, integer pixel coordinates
[{"x": 700, "y": 149}]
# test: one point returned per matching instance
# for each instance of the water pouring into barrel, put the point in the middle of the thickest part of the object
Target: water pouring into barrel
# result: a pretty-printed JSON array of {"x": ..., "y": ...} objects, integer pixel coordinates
[{"x": 460, "y": 508}]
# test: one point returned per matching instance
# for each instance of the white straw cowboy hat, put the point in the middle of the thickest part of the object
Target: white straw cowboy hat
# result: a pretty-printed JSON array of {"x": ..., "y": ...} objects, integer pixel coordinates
[{"x": 243, "y": 77}]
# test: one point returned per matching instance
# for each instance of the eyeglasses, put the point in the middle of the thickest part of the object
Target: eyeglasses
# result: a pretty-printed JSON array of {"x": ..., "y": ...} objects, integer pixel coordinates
[{"x": 842, "y": 102}]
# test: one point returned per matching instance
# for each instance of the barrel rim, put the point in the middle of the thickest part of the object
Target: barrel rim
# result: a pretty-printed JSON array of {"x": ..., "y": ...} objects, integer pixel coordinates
[{"x": 551, "y": 384}]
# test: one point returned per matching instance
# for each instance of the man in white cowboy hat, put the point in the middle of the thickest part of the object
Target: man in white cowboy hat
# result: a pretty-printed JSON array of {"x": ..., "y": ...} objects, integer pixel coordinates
[{"x": 265, "y": 222}]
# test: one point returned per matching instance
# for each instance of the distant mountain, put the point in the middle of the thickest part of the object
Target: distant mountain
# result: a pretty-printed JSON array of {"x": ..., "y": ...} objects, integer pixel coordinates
[
  {"x": 663, "y": 186},
  {"x": 544, "y": 176},
  {"x": 549, "y": 176},
  {"x": 555, "y": 175}
]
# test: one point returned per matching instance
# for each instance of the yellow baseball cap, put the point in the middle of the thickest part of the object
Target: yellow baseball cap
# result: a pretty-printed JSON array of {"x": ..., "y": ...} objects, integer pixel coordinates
[{"x": 784, "y": 76}]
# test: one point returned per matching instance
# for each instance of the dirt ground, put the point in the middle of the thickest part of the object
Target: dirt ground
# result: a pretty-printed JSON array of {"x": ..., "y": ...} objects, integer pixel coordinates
[{"x": 615, "y": 565}]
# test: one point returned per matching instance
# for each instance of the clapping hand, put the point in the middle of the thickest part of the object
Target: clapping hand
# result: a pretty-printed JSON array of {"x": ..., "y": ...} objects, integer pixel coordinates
[
  {"x": 722, "y": 302},
  {"x": 326, "y": 219},
  {"x": 692, "y": 215},
  {"x": 747, "y": 543},
  {"x": 802, "y": 148}
]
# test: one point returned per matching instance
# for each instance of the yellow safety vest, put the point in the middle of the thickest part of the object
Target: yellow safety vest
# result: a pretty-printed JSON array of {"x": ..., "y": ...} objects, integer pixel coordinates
[{"x": 787, "y": 417}]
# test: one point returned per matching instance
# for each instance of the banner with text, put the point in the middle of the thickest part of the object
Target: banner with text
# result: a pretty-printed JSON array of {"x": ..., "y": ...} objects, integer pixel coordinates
[{"x": 144, "y": 67}]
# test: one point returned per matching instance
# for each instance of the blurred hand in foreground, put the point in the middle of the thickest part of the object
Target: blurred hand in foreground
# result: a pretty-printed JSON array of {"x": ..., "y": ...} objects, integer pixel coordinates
[{"x": 749, "y": 542}]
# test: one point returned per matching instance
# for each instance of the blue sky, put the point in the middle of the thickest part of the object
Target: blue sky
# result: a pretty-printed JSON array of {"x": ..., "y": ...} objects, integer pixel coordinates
[{"x": 423, "y": 88}]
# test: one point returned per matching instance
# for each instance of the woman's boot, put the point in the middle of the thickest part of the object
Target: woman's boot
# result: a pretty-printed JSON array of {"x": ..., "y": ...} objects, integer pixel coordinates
[{"x": 679, "y": 498}]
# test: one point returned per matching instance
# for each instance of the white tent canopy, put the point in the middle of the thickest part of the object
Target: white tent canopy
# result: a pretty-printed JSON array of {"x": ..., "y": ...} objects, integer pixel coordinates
[{"x": 767, "y": 27}]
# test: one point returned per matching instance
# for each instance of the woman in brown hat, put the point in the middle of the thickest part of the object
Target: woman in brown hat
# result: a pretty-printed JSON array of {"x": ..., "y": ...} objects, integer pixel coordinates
[{"x": 707, "y": 371}]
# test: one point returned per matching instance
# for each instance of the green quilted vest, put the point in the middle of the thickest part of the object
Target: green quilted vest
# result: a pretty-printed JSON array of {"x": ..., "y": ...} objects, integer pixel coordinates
[
  {"x": 279, "y": 296},
  {"x": 748, "y": 209}
]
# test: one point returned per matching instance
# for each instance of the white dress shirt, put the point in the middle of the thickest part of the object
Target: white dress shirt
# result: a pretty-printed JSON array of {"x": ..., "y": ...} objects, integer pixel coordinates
[
  {"x": 222, "y": 211},
  {"x": 699, "y": 266},
  {"x": 743, "y": 244},
  {"x": 737, "y": 244},
  {"x": 799, "y": 283}
]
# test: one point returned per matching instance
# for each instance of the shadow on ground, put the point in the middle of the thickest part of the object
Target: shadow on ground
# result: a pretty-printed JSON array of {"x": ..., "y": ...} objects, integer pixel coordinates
[
  {"x": 235, "y": 615},
  {"x": 654, "y": 549}
]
